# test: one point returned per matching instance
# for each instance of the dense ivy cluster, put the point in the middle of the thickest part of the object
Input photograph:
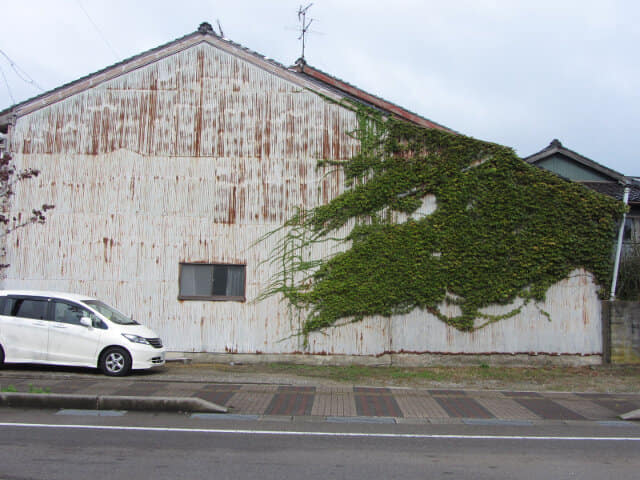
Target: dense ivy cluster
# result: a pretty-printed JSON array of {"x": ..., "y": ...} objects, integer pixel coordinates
[{"x": 502, "y": 229}]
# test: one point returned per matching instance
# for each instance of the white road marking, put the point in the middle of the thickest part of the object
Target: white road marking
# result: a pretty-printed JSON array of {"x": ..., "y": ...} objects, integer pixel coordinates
[{"x": 320, "y": 434}]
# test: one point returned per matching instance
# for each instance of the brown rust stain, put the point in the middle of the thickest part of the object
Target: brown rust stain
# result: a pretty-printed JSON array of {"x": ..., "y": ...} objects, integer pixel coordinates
[
  {"x": 140, "y": 107},
  {"x": 121, "y": 126},
  {"x": 231, "y": 217},
  {"x": 199, "y": 113},
  {"x": 151, "y": 119},
  {"x": 494, "y": 353},
  {"x": 267, "y": 126},
  {"x": 132, "y": 187},
  {"x": 108, "y": 248},
  {"x": 58, "y": 132},
  {"x": 336, "y": 150},
  {"x": 326, "y": 147},
  {"x": 105, "y": 124},
  {"x": 290, "y": 127},
  {"x": 95, "y": 134}
]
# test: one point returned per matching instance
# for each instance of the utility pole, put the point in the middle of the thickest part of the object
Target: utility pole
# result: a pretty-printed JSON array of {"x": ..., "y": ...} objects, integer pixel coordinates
[{"x": 616, "y": 265}]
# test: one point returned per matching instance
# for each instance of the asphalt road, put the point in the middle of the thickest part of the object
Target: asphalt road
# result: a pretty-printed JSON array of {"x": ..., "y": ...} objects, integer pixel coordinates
[{"x": 48, "y": 445}]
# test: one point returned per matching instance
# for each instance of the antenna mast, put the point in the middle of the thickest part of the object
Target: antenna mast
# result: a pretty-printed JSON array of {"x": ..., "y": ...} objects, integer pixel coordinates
[{"x": 302, "y": 17}]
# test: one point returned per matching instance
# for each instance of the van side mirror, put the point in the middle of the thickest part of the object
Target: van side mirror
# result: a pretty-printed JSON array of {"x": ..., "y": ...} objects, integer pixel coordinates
[{"x": 86, "y": 321}]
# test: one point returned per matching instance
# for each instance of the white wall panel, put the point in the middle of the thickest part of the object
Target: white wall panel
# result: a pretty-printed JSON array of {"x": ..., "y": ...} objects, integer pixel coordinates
[{"x": 194, "y": 158}]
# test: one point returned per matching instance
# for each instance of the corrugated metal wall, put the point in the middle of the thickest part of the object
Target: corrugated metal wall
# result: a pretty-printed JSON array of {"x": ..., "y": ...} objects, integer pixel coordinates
[{"x": 194, "y": 158}]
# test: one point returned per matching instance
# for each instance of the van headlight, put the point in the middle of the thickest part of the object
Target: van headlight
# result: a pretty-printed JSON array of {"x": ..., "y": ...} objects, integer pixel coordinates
[{"x": 135, "y": 338}]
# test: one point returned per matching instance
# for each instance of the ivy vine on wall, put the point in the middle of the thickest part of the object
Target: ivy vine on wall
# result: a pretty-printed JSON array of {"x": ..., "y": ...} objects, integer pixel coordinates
[{"x": 501, "y": 230}]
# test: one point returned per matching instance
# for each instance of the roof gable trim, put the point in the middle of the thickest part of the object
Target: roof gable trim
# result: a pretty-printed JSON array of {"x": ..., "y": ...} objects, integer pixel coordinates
[
  {"x": 303, "y": 68},
  {"x": 154, "y": 55},
  {"x": 555, "y": 147}
]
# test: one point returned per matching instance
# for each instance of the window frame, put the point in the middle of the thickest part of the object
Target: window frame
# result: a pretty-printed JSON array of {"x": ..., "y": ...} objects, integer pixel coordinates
[{"x": 213, "y": 298}]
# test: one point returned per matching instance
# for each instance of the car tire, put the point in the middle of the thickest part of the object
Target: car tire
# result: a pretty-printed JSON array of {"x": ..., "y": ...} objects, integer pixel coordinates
[
  {"x": 115, "y": 362},
  {"x": 1, "y": 356}
]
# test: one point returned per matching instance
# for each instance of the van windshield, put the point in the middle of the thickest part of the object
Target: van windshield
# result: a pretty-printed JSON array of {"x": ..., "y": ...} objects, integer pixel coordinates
[{"x": 110, "y": 313}]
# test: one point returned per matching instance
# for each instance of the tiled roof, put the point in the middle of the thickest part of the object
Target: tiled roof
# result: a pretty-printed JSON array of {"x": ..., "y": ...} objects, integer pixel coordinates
[
  {"x": 615, "y": 190},
  {"x": 356, "y": 93}
]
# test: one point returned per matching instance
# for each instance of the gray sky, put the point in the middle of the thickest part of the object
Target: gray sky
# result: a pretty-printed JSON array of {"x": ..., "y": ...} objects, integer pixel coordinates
[{"x": 519, "y": 73}]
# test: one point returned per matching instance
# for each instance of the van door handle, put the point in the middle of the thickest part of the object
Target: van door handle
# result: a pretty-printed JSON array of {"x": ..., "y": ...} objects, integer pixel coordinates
[{"x": 59, "y": 326}]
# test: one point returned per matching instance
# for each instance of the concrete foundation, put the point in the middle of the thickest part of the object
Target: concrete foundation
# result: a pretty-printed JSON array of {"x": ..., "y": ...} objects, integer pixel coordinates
[
  {"x": 393, "y": 359},
  {"x": 621, "y": 329}
]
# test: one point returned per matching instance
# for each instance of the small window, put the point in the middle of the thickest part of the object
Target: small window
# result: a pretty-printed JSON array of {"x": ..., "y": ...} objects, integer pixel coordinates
[
  {"x": 211, "y": 282},
  {"x": 632, "y": 229}
]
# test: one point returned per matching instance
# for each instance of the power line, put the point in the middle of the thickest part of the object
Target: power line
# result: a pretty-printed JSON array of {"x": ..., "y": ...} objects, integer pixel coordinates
[
  {"x": 24, "y": 76},
  {"x": 104, "y": 39},
  {"x": 13, "y": 100}
]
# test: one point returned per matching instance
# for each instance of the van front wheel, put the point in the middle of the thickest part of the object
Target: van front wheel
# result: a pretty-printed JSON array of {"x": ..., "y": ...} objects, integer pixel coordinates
[{"x": 115, "y": 362}]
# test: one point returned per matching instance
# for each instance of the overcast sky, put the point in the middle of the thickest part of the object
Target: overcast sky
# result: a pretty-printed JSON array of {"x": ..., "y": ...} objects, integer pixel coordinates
[{"x": 519, "y": 73}]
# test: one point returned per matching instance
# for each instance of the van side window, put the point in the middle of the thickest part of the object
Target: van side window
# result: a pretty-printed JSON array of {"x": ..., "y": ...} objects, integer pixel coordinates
[
  {"x": 70, "y": 313},
  {"x": 30, "y": 308}
]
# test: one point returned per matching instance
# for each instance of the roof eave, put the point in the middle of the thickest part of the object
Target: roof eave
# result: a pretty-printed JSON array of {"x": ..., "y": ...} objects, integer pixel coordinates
[{"x": 304, "y": 69}]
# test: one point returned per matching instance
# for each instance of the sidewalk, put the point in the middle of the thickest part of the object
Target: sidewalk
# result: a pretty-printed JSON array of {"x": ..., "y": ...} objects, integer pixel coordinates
[{"x": 274, "y": 397}]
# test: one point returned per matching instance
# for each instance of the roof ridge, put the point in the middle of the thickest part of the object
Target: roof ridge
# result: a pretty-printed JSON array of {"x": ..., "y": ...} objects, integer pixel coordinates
[
  {"x": 204, "y": 29},
  {"x": 105, "y": 69},
  {"x": 557, "y": 147},
  {"x": 300, "y": 70}
]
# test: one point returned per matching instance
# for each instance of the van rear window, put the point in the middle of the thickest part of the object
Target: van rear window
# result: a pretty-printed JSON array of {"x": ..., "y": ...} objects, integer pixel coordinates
[
  {"x": 24, "y": 307},
  {"x": 6, "y": 305},
  {"x": 29, "y": 308}
]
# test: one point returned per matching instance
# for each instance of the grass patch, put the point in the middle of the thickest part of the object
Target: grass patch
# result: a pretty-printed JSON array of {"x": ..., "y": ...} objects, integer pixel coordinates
[
  {"x": 32, "y": 389},
  {"x": 600, "y": 378}
]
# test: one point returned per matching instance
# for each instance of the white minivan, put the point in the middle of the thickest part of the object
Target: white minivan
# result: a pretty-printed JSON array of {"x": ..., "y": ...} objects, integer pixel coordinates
[{"x": 68, "y": 329}]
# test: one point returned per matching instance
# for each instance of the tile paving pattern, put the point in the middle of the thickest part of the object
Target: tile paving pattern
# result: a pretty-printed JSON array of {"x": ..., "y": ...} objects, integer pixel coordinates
[
  {"x": 375, "y": 402},
  {"x": 347, "y": 401},
  {"x": 291, "y": 401}
]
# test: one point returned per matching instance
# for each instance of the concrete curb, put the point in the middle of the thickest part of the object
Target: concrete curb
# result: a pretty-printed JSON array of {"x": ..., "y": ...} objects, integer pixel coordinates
[
  {"x": 633, "y": 415},
  {"x": 109, "y": 402}
]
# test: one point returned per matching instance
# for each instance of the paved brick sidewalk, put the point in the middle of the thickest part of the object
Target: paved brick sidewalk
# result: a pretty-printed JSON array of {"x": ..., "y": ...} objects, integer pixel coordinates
[{"x": 342, "y": 401}]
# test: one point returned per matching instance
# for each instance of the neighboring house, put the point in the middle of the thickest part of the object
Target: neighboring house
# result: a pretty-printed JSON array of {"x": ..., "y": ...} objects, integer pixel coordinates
[
  {"x": 168, "y": 169},
  {"x": 578, "y": 168}
]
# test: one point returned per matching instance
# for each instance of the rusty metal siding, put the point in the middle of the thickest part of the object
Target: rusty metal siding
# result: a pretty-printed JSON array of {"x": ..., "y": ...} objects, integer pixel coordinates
[
  {"x": 574, "y": 326},
  {"x": 194, "y": 158},
  {"x": 199, "y": 102}
]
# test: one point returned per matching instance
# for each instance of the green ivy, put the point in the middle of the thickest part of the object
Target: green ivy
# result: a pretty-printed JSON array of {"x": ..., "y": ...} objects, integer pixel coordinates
[{"x": 502, "y": 230}]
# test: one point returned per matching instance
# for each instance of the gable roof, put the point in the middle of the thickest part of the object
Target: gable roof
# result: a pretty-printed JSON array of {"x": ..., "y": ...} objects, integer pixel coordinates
[
  {"x": 613, "y": 188},
  {"x": 555, "y": 148},
  {"x": 310, "y": 78}
]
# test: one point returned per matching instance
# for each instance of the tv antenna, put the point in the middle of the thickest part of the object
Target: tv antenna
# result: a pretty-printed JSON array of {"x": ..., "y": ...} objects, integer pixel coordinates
[{"x": 304, "y": 25}]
